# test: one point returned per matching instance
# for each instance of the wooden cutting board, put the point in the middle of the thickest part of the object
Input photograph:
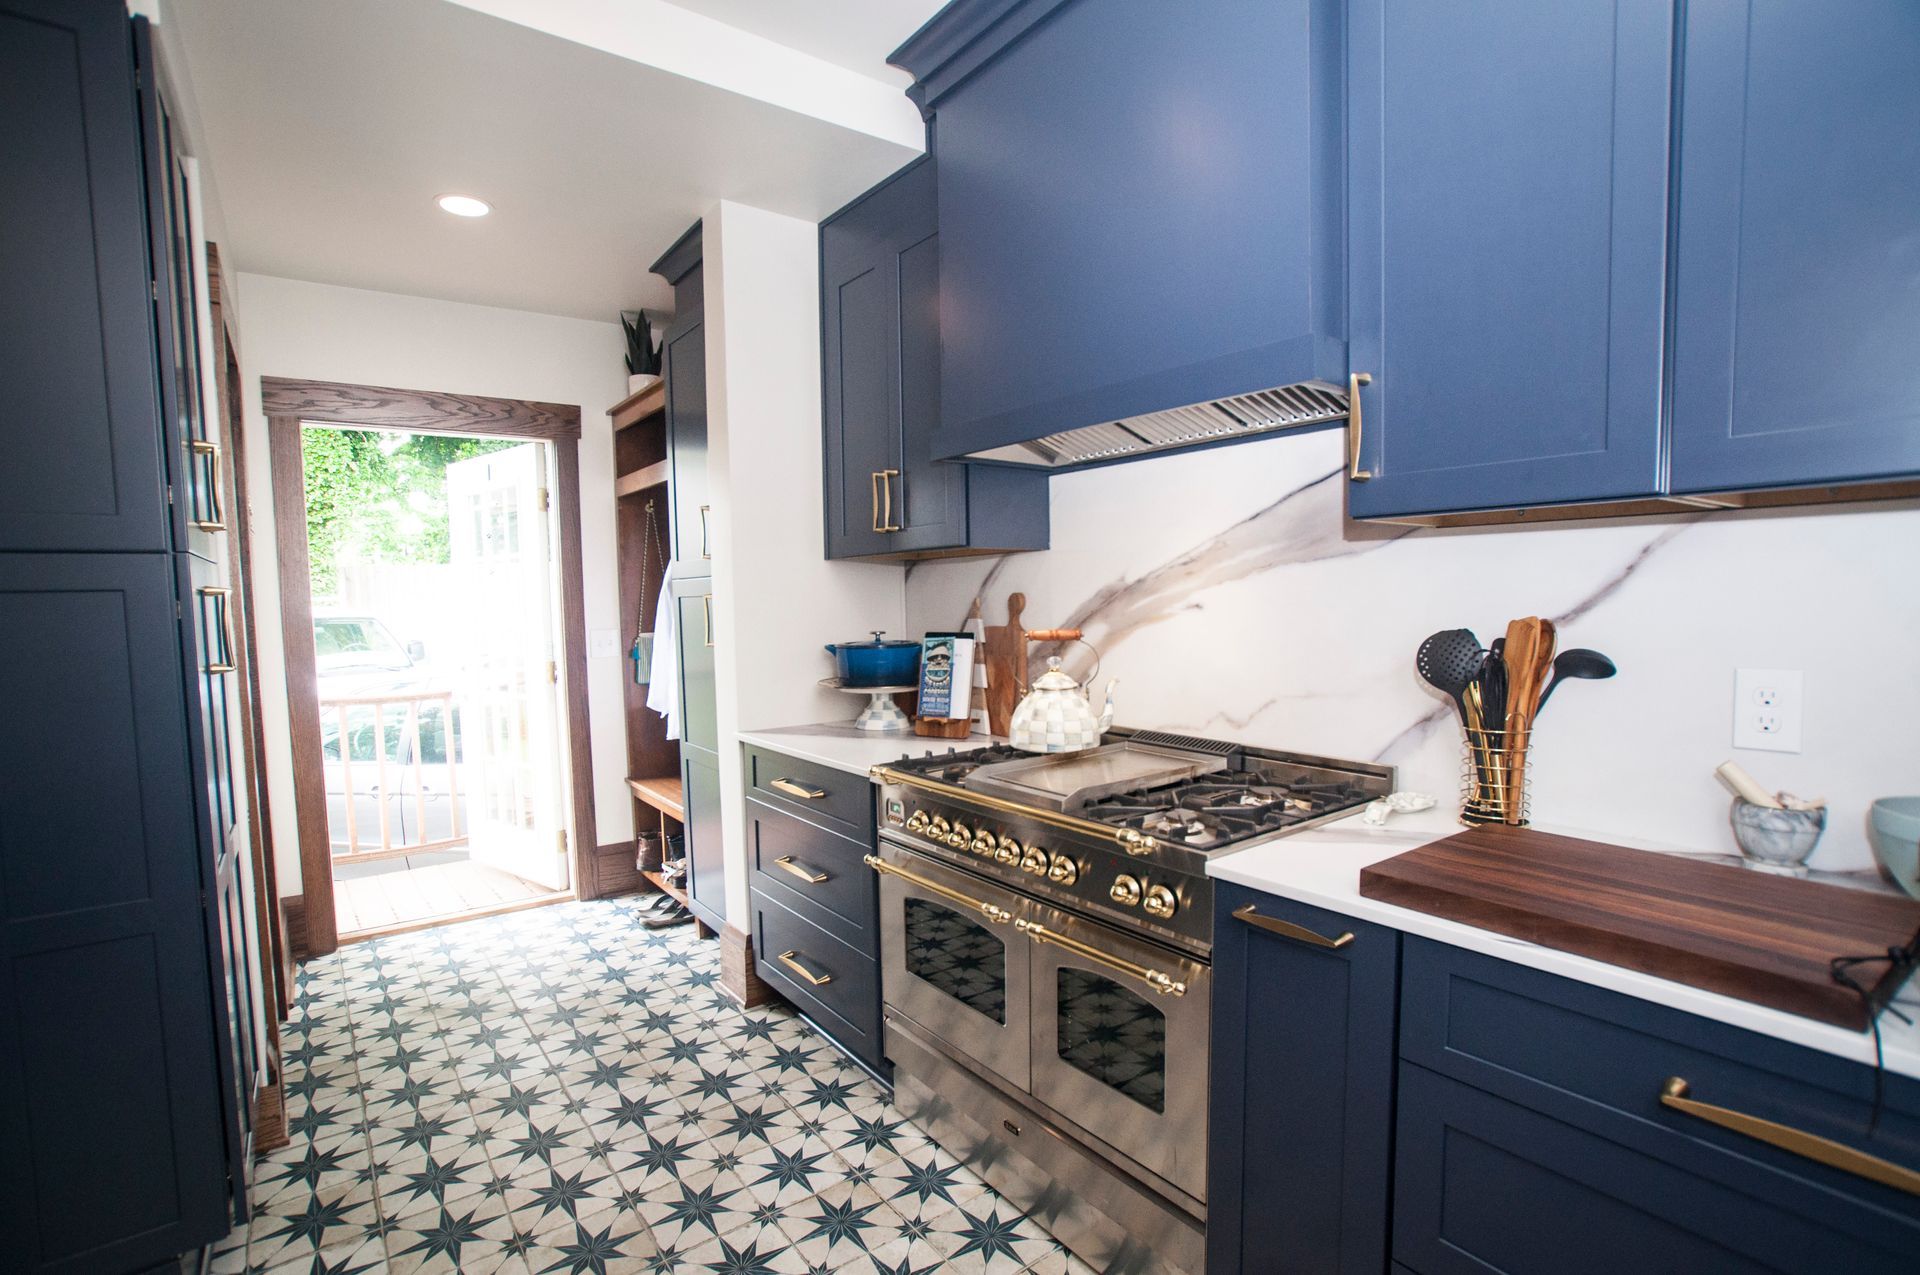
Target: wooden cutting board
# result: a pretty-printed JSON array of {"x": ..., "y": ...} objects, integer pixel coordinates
[{"x": 1721, "y": 927}]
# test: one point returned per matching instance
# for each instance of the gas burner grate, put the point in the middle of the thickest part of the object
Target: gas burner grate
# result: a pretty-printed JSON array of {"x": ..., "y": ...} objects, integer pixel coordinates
[
  {"x": 1224, "y": 808},
  {"x": 952, "y": 766}
]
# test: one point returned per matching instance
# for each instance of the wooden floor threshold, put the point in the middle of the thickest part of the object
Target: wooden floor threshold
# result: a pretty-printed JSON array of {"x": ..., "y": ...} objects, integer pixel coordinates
[{"x": 454, "y": 918}]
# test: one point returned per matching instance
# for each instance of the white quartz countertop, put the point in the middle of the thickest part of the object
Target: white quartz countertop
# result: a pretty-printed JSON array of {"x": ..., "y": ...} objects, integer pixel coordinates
[
  {"x": 1321, "y": 867},
  {"x": 843, "y": 747}
]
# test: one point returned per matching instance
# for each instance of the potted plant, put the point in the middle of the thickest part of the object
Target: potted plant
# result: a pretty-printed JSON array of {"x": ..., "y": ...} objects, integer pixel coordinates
[{"x": 643, "y": 356}]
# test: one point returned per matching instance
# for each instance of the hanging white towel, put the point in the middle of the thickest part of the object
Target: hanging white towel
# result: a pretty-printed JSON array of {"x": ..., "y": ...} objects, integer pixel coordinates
[{"x": 663, "y": 684}]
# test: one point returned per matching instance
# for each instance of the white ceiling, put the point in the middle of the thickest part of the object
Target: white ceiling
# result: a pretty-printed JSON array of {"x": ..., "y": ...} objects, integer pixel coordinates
[
  {"x": 330, "y": 127},
  {"x": 856, "y": 34}
]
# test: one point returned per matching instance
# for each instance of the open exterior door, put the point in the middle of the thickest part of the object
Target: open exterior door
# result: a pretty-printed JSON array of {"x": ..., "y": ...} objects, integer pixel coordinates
[{"x": 508, "y": 702}]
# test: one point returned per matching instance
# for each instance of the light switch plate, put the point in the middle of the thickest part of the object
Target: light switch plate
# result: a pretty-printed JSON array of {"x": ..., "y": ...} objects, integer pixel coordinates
[
  {"x": 1768, "y": 704},
  {"x": 603, "y": 644}
]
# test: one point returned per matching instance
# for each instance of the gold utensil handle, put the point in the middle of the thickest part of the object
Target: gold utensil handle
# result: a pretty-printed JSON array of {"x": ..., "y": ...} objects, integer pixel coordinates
[
  {"x": 886, "y": 500},
  {"x": 998, "y": 915},
  {"x": 203, "y": 447},
  {"x": 818, "y": 980},
  {"x": 786, "y": 862},
  {"x": 1287, "y": 929},
  {"x": 219, "y": 594},
  {"x": 1354, "y": 381},
  {"x": 1835, "y": 1155},
  {"x": 1165, "y": 984},
  {"x": 795, "y": 790}
]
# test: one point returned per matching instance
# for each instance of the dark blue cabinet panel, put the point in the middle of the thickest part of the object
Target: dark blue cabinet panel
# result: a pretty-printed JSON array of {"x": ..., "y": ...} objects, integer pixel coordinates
[
  {"x": 699, "y": 714},
  {"x": 686, "y": 378},
  {"x": 80, "y": 427},
  {"x": 706, "y": 861},
  {"x": 1797, "y": 274},
  {"x": 1301, "y": 1127},
  {"x": 1507, "y": 170}
]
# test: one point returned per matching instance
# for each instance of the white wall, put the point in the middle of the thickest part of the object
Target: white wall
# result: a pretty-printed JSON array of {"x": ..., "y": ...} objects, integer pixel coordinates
[
  {"x": 296, "y": 329},
  {"x": 777, "y": 599}
]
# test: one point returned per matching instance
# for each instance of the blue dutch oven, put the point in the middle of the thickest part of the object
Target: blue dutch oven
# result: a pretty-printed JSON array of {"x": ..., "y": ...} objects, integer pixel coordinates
[{"x": 876, "y": 663}]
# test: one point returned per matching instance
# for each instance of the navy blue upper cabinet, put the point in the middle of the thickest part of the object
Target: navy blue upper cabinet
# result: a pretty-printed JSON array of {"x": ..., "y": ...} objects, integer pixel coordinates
[
  {"x": 1507, "y": 179},
  {"x": 684, "y": 365},
  {"x": 1797, "y": 273},
  {"x": 1139, "y": 206}
]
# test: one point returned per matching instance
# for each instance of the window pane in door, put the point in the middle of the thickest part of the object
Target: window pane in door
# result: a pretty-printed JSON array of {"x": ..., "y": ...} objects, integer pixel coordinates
[
  {"x": 1114, "y": 1036},
  {"x": 958, "y": 957}
]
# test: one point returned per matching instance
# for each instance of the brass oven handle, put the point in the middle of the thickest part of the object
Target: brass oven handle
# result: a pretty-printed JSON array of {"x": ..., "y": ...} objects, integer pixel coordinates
[
  {"x": 873, "y": 492},
  {"x": 706, "y": 612},
  {"x": 818, "y": 980},
  {"x": 1165, "y": 984},
  {"x": 203, "y": 447},
  {"x": 1131, "y": 840},
  {"x": 795, "y": 790},
  {"x": 706, "y": 543},
  {"x": 811, "y": 878},
  {"x": 1835, "y": 1155},
  {"x": 886, "y": 497},
  {"x": 220, "y": 593},
  {"x": 1287, "y": 929},
  {"x": 1354, "y": 381},
  {"x": 998, "y": 915}
]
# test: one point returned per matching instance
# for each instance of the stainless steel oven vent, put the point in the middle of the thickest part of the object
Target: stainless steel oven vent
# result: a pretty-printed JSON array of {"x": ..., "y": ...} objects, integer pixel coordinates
[{"x": 1242, "y": 416}]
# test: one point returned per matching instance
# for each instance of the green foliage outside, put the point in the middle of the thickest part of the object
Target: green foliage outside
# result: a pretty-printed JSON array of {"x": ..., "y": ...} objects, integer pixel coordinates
[{"x": 382, "y": 492}]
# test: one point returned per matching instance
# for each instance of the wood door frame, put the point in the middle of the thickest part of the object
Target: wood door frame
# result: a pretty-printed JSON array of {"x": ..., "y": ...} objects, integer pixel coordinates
[{"x": 289, "y": 404}]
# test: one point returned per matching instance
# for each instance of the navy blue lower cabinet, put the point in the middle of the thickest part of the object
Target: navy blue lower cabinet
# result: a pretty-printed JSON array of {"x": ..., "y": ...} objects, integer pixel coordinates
[
  {"x": 1301, "y": 1125},
  {"x": 706, "y": 860}
]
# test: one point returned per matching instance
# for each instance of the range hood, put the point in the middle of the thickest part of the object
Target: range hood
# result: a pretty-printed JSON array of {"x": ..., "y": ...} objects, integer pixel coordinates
[{"x": 1196, "y": 425}]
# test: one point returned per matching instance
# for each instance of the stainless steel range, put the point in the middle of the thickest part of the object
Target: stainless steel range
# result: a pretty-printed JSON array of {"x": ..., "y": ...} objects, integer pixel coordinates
[{"x": 1046, "y": 934}]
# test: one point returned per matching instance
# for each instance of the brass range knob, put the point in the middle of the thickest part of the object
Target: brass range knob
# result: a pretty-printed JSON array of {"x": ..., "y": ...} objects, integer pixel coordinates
[
  {"x": 984, "y": 842},
  {"x": 1160, "y": 902},
  {"x": 1125, "y": 891},
  {"x": 1034, "y": 861},
  {"x": 960, "y": 836},
  {"x": 917, "y": 821},
  {"x": 937, "y": 828},
  {"x": 1063, "y": 870},
  {"x": 1009, "y": 852}
]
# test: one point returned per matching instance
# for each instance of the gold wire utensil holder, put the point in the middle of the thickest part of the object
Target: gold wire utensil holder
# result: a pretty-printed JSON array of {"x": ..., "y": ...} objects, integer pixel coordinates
[{"x": 1495, "y": 780}]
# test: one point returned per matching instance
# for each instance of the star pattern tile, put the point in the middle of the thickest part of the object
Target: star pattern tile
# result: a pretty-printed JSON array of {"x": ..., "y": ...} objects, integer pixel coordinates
[{"x": 564, "y": 1092}]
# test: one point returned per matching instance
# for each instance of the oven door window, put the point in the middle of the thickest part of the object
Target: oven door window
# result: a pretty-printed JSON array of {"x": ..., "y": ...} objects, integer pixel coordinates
[
  {"x": 958, "y": 956},
  {"x": 1113, "y": 1035}
]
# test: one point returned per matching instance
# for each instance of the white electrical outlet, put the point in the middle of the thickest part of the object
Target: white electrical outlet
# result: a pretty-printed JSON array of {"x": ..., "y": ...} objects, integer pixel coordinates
[
  {"x": 1767, "y": 708},
  {"x": 603, "y": 644}
]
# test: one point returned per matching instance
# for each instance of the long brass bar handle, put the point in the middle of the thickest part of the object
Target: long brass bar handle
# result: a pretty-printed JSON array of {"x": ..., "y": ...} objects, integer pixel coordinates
[
  {"x": 873, "y": 491},
  {"x": 1287, "y": 929},
  {"x": 886, "y": 500},
  {"x": 795, "y": 790},
  {"x": 706, "y": 612},
  {"x": 786, "y": 862},
  {"x": 998, "y": 915},
  {"x": 818, "y": 980},
  {"x": 203, "y": 447},
  {"x": 1835, "y": 1155},
  {"x": 219, "y": 595},
  {"x": 1163, "y": 983},
  {"x": 1354, "y": 381}
]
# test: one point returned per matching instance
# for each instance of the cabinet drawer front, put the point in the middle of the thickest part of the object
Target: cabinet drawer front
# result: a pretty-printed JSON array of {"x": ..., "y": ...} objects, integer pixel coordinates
[
  {"x": 1482, "y": 1184},
  {"x": 1598, "y": 1060},
  {"x": 816, "y": 873},
  {"x": 820, "y": 794},
  {"x": 836, "y": 986}
]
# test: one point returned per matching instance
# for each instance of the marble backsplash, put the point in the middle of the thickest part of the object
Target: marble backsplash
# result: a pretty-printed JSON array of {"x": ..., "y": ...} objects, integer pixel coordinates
[{"x": 1232, "y": 599}]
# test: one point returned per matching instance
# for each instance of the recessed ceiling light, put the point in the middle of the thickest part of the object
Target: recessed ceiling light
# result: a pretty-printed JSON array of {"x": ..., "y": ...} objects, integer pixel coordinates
[{"x": 464, "y": 205}]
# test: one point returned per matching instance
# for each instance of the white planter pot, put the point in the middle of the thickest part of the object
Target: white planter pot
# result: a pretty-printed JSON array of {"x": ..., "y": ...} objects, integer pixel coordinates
[{"x": 640, "y": 381}]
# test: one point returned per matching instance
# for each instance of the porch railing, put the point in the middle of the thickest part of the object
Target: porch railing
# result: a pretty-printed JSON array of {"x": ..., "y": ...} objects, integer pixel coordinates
[{"x": 416, "y": 767}]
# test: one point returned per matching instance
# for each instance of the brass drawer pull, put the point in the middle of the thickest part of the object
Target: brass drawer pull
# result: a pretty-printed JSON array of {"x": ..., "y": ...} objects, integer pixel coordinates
[
  {"x": 792, "y": 789},
  {"x": 202, "y": 447},
  {"x": 873, "y": 494},
  {"x": 219, "y": 595},
  {"x": 786, "y": 958},
  {"x": 1835, "y": 1155},
  {"x": 1354, "y": 382},
  {"x": 1165, "y": 984},
  {"x": 886, "y": 501},
  {"x": 998, "y": 915},
  {"x": 706, "y": 543},
  {"x": 1287, "y": 929},
  {"x": 811, "y": 878},
  {"x": 706, "y": 612}
]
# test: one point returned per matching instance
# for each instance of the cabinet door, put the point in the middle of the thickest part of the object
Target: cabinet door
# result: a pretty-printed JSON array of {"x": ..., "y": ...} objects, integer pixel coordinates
[
  {"x": 1797, "y": 279},
  {"x": 706, "y": 862},
  {"x": 930, "y": 502},
  {"x": 110, "y": 1102},
  {"x": 80, "y": 432},
  {"x": 1301, "y": 1126},
  {"x": 699, "y": 713},
  {"x": 1507, "y": 189},
  {"x": 689, "y": 492}
]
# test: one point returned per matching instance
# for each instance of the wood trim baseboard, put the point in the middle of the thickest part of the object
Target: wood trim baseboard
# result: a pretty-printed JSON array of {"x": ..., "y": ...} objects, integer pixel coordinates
[
  {"x": 738, "y": 977},
  {"x": 293, "y": 924},
  {"x": 615, "y": 872},
  {"x": 270, "y": 1117}
]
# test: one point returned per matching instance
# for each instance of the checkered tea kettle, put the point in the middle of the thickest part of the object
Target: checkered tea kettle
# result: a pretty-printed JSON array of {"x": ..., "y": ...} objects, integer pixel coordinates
[{"x": 1057, "y": 715}]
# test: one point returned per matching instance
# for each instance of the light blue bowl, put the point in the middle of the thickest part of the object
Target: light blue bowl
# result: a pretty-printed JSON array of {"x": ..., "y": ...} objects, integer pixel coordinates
[{"x": 1893, "y": 826}]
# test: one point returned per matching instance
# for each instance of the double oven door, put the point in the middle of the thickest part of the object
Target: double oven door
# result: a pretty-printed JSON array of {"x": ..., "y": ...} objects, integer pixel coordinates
[{"x": 1106, "y": 1030}]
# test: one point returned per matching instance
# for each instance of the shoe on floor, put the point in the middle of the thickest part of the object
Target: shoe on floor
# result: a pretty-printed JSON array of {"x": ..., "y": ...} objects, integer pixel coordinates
[{"x": 676, "y": 915}]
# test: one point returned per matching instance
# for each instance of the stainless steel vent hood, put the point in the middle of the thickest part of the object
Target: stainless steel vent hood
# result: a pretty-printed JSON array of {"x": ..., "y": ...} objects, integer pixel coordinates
[{"x": 1220, "y": 420}]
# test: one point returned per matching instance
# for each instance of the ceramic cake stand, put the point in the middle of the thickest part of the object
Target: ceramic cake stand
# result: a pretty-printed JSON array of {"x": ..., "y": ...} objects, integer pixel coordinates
[{"x": 881, "y": 714}]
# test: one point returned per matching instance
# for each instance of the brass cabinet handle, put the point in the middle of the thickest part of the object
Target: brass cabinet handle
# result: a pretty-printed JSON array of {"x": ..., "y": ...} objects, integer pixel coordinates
[
  {"x": 706, "y": 613},
  {"x": 786, "y": 958},
  {"x": 1165, "y": 984},
  {"x": 873, "y": 493},
  {"x": 219, "y": 594},
  {"x": 1287, "y": 929},
  {"x": 886, "y": 497},
  {"x": 998, "y": 915},
  {"x": 1354, "y": 381},
  {"x": 1835, "y": 1155},
  {"x": 795, "y": 790},
  {"x": 202, "y": 447},
  {"x": 706, "y": 544},
  {"x": 811, "y": 878}
]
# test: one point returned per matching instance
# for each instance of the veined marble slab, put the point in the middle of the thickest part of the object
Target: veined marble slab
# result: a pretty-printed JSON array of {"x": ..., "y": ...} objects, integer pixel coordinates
[{"x": 841, "y": 746}]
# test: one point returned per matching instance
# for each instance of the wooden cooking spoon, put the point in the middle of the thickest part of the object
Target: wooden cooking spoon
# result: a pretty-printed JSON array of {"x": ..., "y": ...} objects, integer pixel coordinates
[{"x": 1529, "y": 658}]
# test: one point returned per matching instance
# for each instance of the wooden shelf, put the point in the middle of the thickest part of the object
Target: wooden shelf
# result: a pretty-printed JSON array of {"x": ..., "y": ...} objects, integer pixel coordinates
[
  {"x": 668, "y": 889},
  {"x": 663, "y": 794},
  {"x": 640, "y": 479},
  {"x": 635, "y": 408}
]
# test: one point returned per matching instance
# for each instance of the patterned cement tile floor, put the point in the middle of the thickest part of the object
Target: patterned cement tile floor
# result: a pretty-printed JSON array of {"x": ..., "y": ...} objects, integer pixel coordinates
[{"x": 562, "y": 1090}]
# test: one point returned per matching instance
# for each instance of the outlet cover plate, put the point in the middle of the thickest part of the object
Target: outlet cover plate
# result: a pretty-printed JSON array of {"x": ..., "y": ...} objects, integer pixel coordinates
[{"x": 1768, "y": 706}]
